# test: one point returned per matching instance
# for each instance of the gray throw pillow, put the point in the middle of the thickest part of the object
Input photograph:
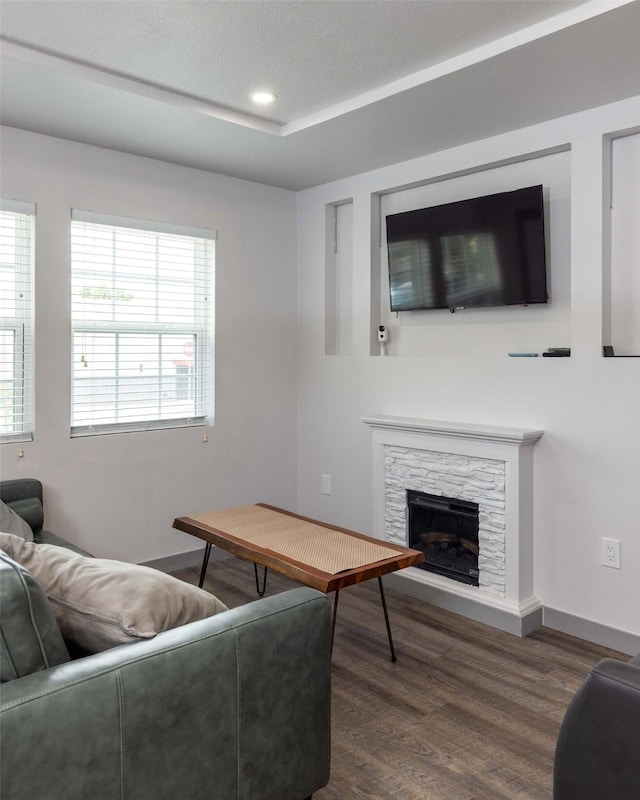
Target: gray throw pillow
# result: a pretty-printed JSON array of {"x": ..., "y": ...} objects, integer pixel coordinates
[
  {"x": 10, "y": 522},
  {"x": 99, "y": 603},
  {"x": 30, "y": 639}
]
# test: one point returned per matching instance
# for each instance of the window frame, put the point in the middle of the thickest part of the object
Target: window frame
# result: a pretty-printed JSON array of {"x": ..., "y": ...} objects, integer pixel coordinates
[
  {"x": 21, "y": 325},
  {"x": 201, "y": 329}
]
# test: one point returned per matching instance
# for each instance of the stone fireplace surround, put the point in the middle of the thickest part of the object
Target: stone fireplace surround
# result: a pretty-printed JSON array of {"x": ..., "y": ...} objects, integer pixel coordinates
[{"x": 488, "y": 465}]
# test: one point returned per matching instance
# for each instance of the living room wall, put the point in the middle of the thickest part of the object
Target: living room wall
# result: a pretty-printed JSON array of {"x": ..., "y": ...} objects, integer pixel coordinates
[
  {"x": 586, "y": 464},
  {"x": 117, "y": 495}
]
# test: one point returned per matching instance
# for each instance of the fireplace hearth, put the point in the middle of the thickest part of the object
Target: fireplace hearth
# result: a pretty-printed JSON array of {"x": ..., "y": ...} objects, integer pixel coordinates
[{"x": 445, "y": 529}]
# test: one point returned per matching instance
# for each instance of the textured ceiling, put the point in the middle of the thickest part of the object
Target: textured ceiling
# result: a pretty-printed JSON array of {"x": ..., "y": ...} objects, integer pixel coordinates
[
  {"x": 312, "y": 53},
  {"x": 360, "y": 83}
]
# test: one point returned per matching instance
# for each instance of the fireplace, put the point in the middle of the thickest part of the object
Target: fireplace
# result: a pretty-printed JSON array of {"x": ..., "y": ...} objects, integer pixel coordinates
[
  {"x": 477, "y": 463},
  {"x": 445, "y": 529}
]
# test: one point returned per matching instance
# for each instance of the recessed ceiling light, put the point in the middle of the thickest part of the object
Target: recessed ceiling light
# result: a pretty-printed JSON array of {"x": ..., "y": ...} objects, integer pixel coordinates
[{"x": 263, "y": 98}]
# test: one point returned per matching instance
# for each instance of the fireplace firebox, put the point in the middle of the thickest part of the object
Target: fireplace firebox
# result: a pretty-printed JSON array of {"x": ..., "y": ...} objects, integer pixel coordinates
[{"x": 446, "y": 530}]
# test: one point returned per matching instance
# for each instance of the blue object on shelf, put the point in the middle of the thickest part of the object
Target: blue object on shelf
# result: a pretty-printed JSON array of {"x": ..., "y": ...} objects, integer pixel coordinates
[{"x": 523, "y": 355}]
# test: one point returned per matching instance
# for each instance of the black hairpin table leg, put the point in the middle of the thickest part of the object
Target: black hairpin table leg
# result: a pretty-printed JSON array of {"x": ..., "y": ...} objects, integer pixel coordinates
[
  {"x": 386, "y": 619},
  {"x": 335, "y": 614},
  {"x": 205, "y": 564},
  {"x": 259, "y": 590}
]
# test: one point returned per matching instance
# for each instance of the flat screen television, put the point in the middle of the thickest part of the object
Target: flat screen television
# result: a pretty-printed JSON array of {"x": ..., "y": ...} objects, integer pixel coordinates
[{"x": 485, "y": 251}]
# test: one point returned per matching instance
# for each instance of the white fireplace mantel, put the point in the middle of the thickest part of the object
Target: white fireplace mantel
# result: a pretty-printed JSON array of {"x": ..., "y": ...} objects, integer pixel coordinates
[
  {"x": 512, "y": 605},
  {"x": 456, "y": 430}
]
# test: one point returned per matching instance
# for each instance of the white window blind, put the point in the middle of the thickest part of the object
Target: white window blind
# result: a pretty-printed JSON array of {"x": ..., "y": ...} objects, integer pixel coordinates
[
  {"x": 142, "y": 319},
  {"x": 16, "y": 326}
]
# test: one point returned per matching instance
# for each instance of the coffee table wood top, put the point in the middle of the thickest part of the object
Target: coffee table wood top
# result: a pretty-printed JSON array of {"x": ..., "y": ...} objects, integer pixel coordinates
[{"x": 314, "y": 553}]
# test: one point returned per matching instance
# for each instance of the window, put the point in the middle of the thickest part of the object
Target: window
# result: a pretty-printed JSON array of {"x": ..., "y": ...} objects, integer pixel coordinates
[
  {"x": 16, "y": 357},
  {"x": 142, "y": 319}
]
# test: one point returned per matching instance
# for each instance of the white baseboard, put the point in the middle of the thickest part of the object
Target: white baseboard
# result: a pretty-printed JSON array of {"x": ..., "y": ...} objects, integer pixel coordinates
[
  {"x": 517, "y": 621},
  {"x": 595, "y": 632},
  {"x": 467, "y": 601}
]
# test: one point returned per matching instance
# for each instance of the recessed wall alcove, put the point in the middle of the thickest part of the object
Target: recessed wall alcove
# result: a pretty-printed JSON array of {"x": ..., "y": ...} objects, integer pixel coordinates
[
  {"x": 490, "y": 331},
  {"x": 484, "y": 464},
  {"x": 338, "y": 290}
]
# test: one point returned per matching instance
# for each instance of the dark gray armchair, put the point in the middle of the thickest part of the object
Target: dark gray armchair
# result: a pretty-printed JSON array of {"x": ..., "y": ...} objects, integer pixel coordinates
[{"x": 598, "y": 750}]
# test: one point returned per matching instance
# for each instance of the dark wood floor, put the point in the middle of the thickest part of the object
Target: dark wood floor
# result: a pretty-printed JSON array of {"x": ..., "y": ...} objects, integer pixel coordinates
[{"x": 466, "y": 713}]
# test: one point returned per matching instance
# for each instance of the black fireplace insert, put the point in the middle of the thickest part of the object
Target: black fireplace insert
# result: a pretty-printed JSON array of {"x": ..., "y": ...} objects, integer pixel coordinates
[{"x": 446, "y": 530}]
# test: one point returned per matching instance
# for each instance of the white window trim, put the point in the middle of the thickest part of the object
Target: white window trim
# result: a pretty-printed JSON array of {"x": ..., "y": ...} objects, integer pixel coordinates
[
  {"x": 23, "y": 333},
  {"x": 199, "y": 328},
  {"x": 143, "y": 224}
]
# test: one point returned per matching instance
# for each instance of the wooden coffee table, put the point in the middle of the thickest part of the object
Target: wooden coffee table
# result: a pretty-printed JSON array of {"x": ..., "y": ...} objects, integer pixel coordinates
[{"x": 322, "y": 556}]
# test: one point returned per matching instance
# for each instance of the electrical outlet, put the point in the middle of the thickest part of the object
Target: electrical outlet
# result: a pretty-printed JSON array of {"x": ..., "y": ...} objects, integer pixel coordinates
[
  {"x": 326, "y": 484},
  {"x": 611, "y": 553}
]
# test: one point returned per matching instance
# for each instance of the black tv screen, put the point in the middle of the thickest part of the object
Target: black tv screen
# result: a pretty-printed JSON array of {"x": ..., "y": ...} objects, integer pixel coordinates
[{"x": 486, "y": 251}]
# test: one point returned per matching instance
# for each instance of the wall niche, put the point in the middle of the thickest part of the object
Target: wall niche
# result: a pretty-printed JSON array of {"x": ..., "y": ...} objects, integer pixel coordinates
[
  {"x": 481, "y": 331},
  {"x": 338, "y": 296}
]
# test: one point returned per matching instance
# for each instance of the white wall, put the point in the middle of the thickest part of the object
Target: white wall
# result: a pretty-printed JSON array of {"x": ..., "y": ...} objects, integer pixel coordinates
[
  {"x": 586, "y": 465},
  {"x": 117, "y": 495}
]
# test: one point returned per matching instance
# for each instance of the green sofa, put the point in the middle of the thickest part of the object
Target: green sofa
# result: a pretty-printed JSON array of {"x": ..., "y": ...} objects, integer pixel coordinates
[
  {"x": 25, "y": 497},
  {"x": 232, "y": 707}
]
